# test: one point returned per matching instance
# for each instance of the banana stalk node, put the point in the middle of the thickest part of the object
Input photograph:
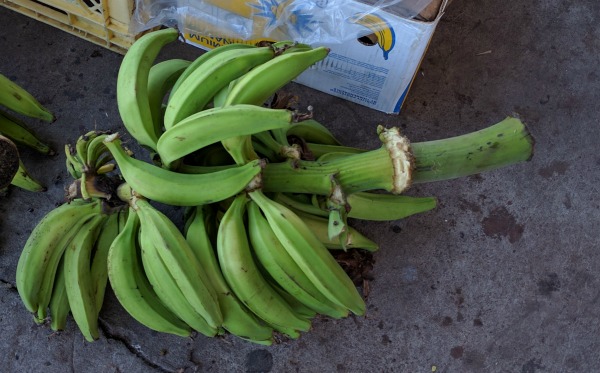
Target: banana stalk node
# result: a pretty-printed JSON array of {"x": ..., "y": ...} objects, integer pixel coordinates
[
  {"x": 401, "y": 156},
  {"x": 257, "y": 181}
]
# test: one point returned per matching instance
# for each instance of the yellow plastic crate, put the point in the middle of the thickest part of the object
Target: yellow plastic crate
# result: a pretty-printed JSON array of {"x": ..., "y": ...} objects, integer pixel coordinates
[{"x": 103, "y": 22}]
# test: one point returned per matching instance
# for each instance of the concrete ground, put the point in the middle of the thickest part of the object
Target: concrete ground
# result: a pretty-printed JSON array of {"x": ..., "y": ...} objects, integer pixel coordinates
[{"x": 502, "y": 277}]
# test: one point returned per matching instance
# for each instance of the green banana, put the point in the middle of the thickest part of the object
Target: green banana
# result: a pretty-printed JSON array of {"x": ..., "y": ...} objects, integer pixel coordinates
[
  {"x": 17, "y": 99},
  {"x": 237, "y": 319},
  {"x": 168, "y": 290},
  {"x": 161, "y": 79},
  {"x": 132, "y": 85},
  {"x": 43, "y": 243},
  {"x": 282, "y": 268},
  {"x": 310, "y": 254},
  {"x": 167, "y": 241},
  {"x": 213, "y": 125},
  {"x": 24, "y": 180},
  {"x": 99, "y": 266},
  {"x": 82, "y": 144},
  {"x": 199, "y": 88},
  {"x": 353, "y": 238},
  {"x": 300, "y": 309},
  {"x": 131, "y": 286},
  {"x": 9, "y": 161},
  {"x": 180, "y": 189},
  {"x": 203, "y": 58},
  {"x": 312, "y": 131},
  {"x": 244, "y": 277},
  {"x": 73, "y": 163},
  {"x": 59, "y": 302},
  {"x": 385, "y": 207},
  {"x": 364, "y": 205},
  {"x": 220, "y": 97},
  {"x": 78, "y": 280},
  {"x": 260, "y": 83},
  {"x": 94, "y": 150},
  {"x": 16, "y": 130}
]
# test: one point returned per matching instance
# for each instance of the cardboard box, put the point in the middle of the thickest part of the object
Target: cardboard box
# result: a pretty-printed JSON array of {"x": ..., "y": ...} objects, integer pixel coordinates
[{"x": 374, "y": 66}]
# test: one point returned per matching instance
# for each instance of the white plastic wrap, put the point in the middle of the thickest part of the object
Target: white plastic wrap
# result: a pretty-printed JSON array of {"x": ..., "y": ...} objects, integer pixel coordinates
[{"x": 305, "y": 21}]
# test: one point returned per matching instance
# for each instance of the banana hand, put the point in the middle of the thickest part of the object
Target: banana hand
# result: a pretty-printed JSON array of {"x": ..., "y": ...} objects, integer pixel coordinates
[
  {"x": 310, "y": 254},
  {"x": 171, "y": 248},
  {"x": 131, "y": 286},
  {"x": 214, "y": 74},
  {"x": 244, "y": 277},
  {"x": 237, "y": 319},
  {"x": 43, "y": 243}
]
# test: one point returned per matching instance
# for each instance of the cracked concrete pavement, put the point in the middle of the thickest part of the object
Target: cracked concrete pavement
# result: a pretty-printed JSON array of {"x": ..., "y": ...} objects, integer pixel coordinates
[{"x": 501, "y": 277}]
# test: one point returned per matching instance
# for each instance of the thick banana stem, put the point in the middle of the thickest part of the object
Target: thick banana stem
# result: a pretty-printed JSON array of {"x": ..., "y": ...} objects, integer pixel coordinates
[
  {"x": 505, "y": 143},
  {"x": 502, "y": 144}
]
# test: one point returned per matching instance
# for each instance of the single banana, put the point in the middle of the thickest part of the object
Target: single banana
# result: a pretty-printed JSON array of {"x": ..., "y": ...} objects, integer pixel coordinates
[
  {"x": 78, "y": 280},
  {"x": 237, "y": 319},
  {"x": 199, "y": 88},
  {"x": 10, "y": 161},
  {"x": 24, "y": 180},
  {"x": 180, "y": 189},
  {"x": 282, "y": 268},
  {"x": 131, "y": 286},
  {"x": 73, "y": 163},
  {"x": 203, "y": 58},
  {"x": 214, "y": 125},
  {"x": 382, "y": 207},
  {"x": 59, "y": 302},
  {"x": 161, "y": 79},
  {"x": 99, "y": 267},
  {"x": 310, "y": 254},
  {"x": 172, "y": 248},
  {"x": 260, "y": 83},
  {"x": 132, "y": 85},
  {"x": 82, "y": 144},
  {"x": 363, "y": 205},
  {"x": 16, "y": 130},
  {"x": 42, "y": 244},
  {"x": 17, "y": 99},
  {"x": 244, "y": 277},
  {"x": 220, "y": 97},
  {"x": 312, "y": 131}
]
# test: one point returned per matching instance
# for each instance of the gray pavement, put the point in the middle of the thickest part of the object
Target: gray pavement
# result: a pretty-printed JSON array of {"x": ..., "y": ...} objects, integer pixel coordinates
[{"x": 501, "y": 277}]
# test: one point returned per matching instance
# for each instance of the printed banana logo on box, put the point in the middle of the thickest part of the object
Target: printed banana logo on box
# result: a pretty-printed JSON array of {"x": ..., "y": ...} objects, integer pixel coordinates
[{"x": 374, "y": 54}]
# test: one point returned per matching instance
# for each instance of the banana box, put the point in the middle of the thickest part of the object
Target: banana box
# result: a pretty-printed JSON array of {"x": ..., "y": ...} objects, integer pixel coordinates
[{"x": 374, "y": 53}]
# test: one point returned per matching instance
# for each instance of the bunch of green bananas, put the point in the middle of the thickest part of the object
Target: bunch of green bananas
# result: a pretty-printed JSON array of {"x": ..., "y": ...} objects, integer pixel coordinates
[
  {"x": 267, "y": 193},
  {"x": 17, "y": 99},
  {"x": 63, "y": 266}
]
